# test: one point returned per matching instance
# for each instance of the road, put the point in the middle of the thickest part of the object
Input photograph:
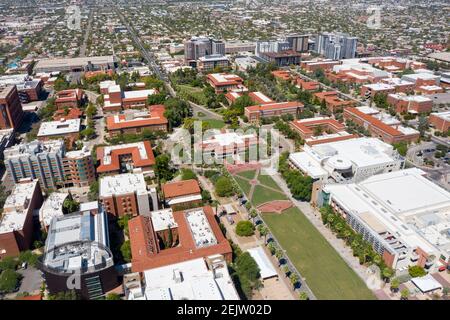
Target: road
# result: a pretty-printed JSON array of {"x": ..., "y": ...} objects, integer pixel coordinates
[
  {"x": 99, "y": 122},
  {"x": 86, "y": 34}
]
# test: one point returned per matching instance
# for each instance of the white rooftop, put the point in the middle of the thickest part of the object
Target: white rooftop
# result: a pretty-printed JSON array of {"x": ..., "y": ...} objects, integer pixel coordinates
[
  {"x": 122, "y": 184},
  {"x": 163, "y": 219},
  {"x": 52, "y": 207},
  {"x": 223, "y": 77},
  {"x": 412, "y": 208},
  {"x": 138, "y": 93},
  {"x": 62, "y": 127},
  {"x": 75, "y": 154},
  {"x": 189, "y": 280},
  {"x": 266, "y": 268},
  {"x": 379, "y": 86},
  {"x": 15, "y": 209},
  {"x": 200, "y": 228},
  {"x": 443, "y": 115},
  {"x": 426, "y": 283},
  {"x": 308, "y": 164},
  {"x": 228, "y": 139},
  {"x": 410, "y": 98}
]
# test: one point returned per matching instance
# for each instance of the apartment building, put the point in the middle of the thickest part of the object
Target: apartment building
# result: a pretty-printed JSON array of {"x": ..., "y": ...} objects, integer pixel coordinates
[
  {"x": 29, "y": 89},
  {"x": 196, "y": 230},
  {"x": 37, "y": 160},
  {"x": 125, "y": 158},
  {"x": 381, "y": 125},
  {"x": 79, "y": 168},
  {"x": 16, "y": 224},
  {"x": 127, "y": 194},
  {"x": 402, "y": 214},
  {"x": 69, "y": 130},
  {"x": 257, "y": 112},
  {"x": 336, "y": 46},
  {"x": 198, "y": 47},
  {"x": 133, "y": 121},
  {"x": 11, "y": 113}
]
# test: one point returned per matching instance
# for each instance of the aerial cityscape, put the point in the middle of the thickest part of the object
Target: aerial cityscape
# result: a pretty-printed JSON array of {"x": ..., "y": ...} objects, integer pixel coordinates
[{"x": 228, "y": 150}]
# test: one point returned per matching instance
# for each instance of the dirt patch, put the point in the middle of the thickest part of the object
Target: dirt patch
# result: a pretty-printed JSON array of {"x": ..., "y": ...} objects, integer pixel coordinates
[{"x": 236, "y": 168}]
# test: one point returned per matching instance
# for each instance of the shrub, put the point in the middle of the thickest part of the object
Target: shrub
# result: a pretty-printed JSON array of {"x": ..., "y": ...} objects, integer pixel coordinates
[
  {"x": 9, "y": 280},
  {"x": 416, "y": 271},
  {"x": 245, "y": 229}
]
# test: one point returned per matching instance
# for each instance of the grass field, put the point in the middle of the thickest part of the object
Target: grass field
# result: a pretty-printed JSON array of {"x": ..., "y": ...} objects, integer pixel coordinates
[
  {"x": 244, "y": 184},
  {"x": 262, "y": 194},
  {"x": 326, "y": 273},
  {"x": 247, "y": 174},
  {"x": 192, "y": 93},
  {"x": 214, "y": 123},
  {"x": 268, "y": 181}
]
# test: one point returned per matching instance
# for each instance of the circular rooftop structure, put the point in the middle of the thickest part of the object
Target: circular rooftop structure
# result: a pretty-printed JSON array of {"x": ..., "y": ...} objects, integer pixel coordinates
[{"x": 339, "y": 163}]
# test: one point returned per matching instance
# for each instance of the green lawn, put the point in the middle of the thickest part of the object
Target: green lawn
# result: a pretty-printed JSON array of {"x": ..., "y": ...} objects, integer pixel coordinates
[
  {"x": 262, "y": 194},
  {"x": 268, "y": 181},
  {"x": 214, "y": 123},
  {"x": 326, "y": 273},
  {"x": 247, "y": 174},
  {"x": 244, "y": 184},
  {"x": 191, "y": 93}
]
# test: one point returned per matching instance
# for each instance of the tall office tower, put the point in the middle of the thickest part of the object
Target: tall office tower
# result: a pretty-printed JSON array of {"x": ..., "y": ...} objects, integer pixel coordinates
[
  {"x": 11, "y": 113},
  {"x": 218, "y": 47},
  {"x": 41, "y": 160},
  {"x": 336, "y": 46},
  {"x": 198, "y": 47},
  {"x": 298, "y": 42}
]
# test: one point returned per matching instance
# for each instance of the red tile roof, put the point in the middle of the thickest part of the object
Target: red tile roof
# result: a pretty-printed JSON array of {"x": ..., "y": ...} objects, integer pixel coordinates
[
  {"x": 374, "y": 121},
  {"x": 145, "y": 254},
  {"x": 275, "y": 106},
  {"x": 180, "y": 188},
  {"x": 156, "y": 118},
  {"x": 307, "y": 126},
  {"x": 133, "y": 151}
]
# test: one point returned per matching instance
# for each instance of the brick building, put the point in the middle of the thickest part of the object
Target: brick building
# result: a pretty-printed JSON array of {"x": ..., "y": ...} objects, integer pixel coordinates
[
  {"x": 11, "y": 113},
  {"x": 275, "y": 109},
  {"x": 412, "y": 104},
  {"x": 182, "y": 194}
]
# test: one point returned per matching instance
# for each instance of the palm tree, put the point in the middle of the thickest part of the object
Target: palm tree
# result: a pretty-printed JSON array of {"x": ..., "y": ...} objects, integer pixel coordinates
[
  {"x": 263, "y": 231},
  {"x": 294, "y": 278},
  {"x": 404, "y": 294},
  {"x": 303, "y": 296},
  {"x": 394, "y": 285},
  {"x": 387, "y": 274},
  {"x": 279, "y": 255},
  {"x": 253, "y": 214}
]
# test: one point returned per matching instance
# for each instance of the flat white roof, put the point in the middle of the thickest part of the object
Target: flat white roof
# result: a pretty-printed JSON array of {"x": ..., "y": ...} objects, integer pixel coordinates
[
  {"x": 228, "y": 139},
  {"x": 379, "y": 86},
  {"x": 189, "y": 280},
  {"x": 443, "y": 115},
  {"x": 308, "y": 164},
  {"x": 52, "y": 207},
  {"x": 63, "y": 127},
  {"x": 426, "y": 283},
  {"x": 266, "y": 268},
  {"x": 16, "y": 207},
  {"x": 417, "y": 98},
  {"x": 433, "y": 87},
  {"x": 138, "y": 93},
  {"x": 163, "y": 219},
  {"x": 360, "y": 151},
  {"x": 122, "y": 184},
  {"x": 410, "y": 206},
  {"x": 200, "y": 229}
]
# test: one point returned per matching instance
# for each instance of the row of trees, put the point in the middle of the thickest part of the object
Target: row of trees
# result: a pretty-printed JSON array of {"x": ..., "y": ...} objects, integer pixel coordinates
[
  {"x": 361, "y": 248},
  {"x": 299, "y": 184}
]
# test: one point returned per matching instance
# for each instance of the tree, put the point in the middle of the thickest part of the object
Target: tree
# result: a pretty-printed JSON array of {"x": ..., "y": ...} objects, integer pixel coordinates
[
  {"x": 8, "y": 263},
  {"x": 303, "y": 296},
  {"x": 158, "y": 98},
  {"x": 245, "y": 228},
  {"x": 93, "y": 191},
  {"x": 401, "y": 147},
  {"x": 70, "y": 205},
  {"x": 88, "y": 133},
  {"x": 91, "y": 110},
  {"x": 125, "y": 249},
  {"x": 263, "y": 231},
  {"x": 248, "y": 272},
  {"x": 163, "y": 169},
  {"x": 9, "y": 280},
  {"x": 294, "y": 278},
  {"x": 395, "y": 283},
  {"x": 28, "y": 257},
  {"x": 404, "y": 294},
  {"x": 188, "y": 174},
  {"x": 252, "y": 213},
  {"x": 416, "y": 271},
  {"x": 206, "y": 196},
  {"x": 176, "y": 111},
  {"x": 224, "y": 187},
  {"x": 64, "y": 295},
  {"x": 112, "y": 296}
]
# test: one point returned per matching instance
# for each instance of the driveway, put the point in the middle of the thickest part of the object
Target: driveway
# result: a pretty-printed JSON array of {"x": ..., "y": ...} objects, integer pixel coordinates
[{"x": 32, "y": 280}]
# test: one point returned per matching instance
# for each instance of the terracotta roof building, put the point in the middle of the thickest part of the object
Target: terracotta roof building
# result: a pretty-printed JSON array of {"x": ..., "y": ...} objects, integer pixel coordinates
[
  {"x": 125, "y": 157},
  {"x": 381, "y": 125},
  {"x": 195, "y": 234},
  {"x": 71, "y": 98},
  {"x": 182, "y": 193},
  {"x": 225, "y": 82},
  {"x": 275, "y": 109},
  {"x": 135, "y": 122},
  {"x": 332, "y": 100}
]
